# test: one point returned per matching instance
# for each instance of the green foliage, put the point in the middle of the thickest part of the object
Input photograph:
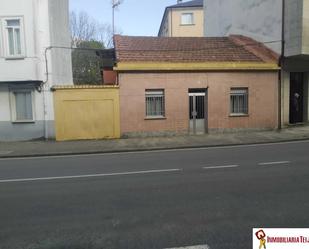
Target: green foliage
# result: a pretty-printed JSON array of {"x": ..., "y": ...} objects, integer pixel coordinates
[{"x": 86, "y": 63}]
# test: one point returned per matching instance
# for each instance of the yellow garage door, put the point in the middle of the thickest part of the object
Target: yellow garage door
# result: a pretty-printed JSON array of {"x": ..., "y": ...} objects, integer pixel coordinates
[{"x": 85, "y": 112}]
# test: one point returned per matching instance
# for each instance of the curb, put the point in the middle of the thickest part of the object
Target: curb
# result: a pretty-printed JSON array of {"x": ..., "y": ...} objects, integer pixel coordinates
[{"x": 102, "y": 152}]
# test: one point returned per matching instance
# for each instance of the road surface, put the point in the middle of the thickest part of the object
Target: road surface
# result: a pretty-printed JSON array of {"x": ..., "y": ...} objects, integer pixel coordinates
[{"x": 162, "y": 199}]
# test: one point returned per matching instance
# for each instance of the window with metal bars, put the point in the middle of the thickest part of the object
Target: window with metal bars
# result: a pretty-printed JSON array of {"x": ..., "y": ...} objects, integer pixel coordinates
[
  {"x": 239, "y": 101},
  {"x": 155, "y": 103}
]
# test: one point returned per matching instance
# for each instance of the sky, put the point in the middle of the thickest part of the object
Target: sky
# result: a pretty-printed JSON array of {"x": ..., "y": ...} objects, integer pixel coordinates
[{"x": 133, "y": 17}]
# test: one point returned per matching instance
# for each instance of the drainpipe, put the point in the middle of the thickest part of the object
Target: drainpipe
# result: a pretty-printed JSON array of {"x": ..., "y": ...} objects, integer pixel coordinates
[
  {"x": 281, "y": 64},
  {"x": 44, "y": 94}
]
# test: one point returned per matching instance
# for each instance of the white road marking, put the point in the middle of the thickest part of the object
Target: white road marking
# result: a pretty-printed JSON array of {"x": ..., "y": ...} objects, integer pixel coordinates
[
  {"x": 5, "y": 152},
  {"x": 192, "y": 247},
  {"x": 221, "y": 167},
  {"x": 274, "y": 163},
  {"x": 88, "y": 176},
  {"x": 151, "y": 151}
]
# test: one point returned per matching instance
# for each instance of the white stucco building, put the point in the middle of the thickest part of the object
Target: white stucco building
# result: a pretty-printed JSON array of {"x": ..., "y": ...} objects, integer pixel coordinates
[
  {"x": 31, "y": 62},
  {"x": 262, "y": 20}
]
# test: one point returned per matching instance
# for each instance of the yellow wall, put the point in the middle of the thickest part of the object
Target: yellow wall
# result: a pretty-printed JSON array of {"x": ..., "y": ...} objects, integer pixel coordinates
[
  {"x": 178, "y": 30},
  {"x": 86, "y": 112},
  {"x": 172, "y": 26}
]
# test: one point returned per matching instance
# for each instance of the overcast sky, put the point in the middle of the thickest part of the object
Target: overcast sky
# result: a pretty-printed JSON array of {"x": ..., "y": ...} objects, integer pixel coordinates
[{"x": 134, "y": 17}]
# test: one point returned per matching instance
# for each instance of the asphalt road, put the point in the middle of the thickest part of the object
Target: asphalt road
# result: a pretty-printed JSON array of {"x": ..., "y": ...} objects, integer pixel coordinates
[{"x": 156, "y": 199}]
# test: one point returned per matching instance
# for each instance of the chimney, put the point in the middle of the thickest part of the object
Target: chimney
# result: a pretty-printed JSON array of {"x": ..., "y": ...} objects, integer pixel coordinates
[
  {"x": 109, "y": 76},
  {"x": 179, "y": 1}
]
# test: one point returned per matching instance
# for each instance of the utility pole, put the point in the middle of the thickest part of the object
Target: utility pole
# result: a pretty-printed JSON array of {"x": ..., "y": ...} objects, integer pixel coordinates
[
  {"x": 281, "y": 63},
  {"x": 115, "y": 4}
]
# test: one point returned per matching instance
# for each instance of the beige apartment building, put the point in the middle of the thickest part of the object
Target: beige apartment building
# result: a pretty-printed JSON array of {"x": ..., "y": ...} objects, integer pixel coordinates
[{"x": 184, "y": 19}]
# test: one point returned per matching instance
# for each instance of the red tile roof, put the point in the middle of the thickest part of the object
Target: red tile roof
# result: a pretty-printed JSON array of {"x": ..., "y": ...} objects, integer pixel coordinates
[{"x": 235, "y": 48}]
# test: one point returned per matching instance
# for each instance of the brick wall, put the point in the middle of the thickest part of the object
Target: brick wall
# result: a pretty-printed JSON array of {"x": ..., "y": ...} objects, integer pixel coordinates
[{"x": 262, "y": 100}]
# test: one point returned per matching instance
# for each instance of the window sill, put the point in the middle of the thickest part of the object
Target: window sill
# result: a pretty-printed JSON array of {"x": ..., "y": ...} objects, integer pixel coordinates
[
  {"x": 21, "y": 57},
  {"x": 155, "y": 118},
  {"x": 23, "y": 122},
  {"x": 238, "y": 115},
  {"x": 192, "y": 24}
]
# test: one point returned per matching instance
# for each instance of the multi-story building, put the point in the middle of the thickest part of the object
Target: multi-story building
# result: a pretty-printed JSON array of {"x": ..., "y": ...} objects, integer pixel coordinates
[
  {"x": 31, "y": 61},
  {"x": 183, "y": 19},
  {"x": 262, "y": 20}
]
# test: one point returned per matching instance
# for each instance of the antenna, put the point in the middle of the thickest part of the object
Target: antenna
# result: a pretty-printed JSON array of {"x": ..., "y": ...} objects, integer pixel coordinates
[{"x": 115, "y": 4}]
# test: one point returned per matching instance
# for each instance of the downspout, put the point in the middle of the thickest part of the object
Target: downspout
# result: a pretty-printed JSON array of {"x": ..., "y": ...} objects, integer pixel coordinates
[
  {"x": 44, "y": 94},
  {"x": 281, "y": 64}
]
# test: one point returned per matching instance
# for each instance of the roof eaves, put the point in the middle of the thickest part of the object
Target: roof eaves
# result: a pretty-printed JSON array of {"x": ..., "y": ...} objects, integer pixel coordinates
[
  {"x": 186, "y": 5},
  {"x": 163, "y": 19},
  {"x": 196, "y": 66}
]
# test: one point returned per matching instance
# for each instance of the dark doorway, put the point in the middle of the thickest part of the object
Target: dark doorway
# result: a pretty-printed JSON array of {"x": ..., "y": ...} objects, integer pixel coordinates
[{"x": 296, "y": 98}]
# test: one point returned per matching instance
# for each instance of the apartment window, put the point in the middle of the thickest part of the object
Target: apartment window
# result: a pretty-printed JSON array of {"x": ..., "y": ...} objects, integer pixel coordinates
[
  {"x": 239, "y": 101},
  {"x": 155, "y": 103},
  {"x": 187, "y": 19},
  {"x": 14, "y": 37},
  {"x": 22, "y": 105}
]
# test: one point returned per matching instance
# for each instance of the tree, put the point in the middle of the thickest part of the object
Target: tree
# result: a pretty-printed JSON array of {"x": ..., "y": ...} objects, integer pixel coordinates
[
  {"x": 85, "y": 28},
  {"x": 88, "y": 37},
  {"x": 86, "y": 63}
]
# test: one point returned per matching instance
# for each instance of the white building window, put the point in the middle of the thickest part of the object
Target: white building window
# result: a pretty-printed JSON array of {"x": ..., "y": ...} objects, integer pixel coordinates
[
  {"x": 239, "y": 101},
  {"x": 155, "y": 104},
  {"x": 187, "y": 19},
  {"x": 22, "y": 105},
  {"x": 14, "y": 37}
]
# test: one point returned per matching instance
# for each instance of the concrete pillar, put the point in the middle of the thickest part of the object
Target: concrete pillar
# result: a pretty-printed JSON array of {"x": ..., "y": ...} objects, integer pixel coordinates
[{"x": 306, "y": 97}]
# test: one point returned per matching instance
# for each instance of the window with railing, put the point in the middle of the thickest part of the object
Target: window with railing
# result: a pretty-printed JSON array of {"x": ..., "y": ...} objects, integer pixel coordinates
[
  {"x": 155, "y": 104},
  {"x": 239, "y": 101}
]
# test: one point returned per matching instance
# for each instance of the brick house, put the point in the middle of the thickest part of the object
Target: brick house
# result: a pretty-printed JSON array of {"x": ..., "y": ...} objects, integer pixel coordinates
[{"x": 195, "y": 85}]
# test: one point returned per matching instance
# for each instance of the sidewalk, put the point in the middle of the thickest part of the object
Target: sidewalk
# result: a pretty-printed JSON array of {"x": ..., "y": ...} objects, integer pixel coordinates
[{"x": 52, "y": 148}]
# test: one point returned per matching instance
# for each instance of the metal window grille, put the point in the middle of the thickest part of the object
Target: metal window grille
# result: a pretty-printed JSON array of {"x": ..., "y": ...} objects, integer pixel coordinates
[
  {"x": 239, "y": 101},
  {"x": 155, "y": 103}
]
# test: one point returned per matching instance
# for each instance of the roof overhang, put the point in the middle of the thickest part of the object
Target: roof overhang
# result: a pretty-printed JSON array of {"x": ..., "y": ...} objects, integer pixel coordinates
[
  {"x": 196, "y": 66},
  {"x": 163, "y": 20}
]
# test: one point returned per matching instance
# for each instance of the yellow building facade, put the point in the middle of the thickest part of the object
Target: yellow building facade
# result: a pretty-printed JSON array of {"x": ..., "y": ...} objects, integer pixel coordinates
[{"x": 183, "y": 20}]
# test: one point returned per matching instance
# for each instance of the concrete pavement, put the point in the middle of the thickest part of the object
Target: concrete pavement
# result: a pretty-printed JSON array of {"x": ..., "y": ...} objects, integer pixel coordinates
[{"x": 43, "y": 148}]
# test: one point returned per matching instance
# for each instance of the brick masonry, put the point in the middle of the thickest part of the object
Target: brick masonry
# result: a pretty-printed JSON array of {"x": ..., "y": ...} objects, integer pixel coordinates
[{"x": 263, "y": 93}]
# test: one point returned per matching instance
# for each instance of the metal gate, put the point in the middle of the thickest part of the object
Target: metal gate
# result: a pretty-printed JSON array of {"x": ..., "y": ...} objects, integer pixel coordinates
[{"x": 197, "y": 111}]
